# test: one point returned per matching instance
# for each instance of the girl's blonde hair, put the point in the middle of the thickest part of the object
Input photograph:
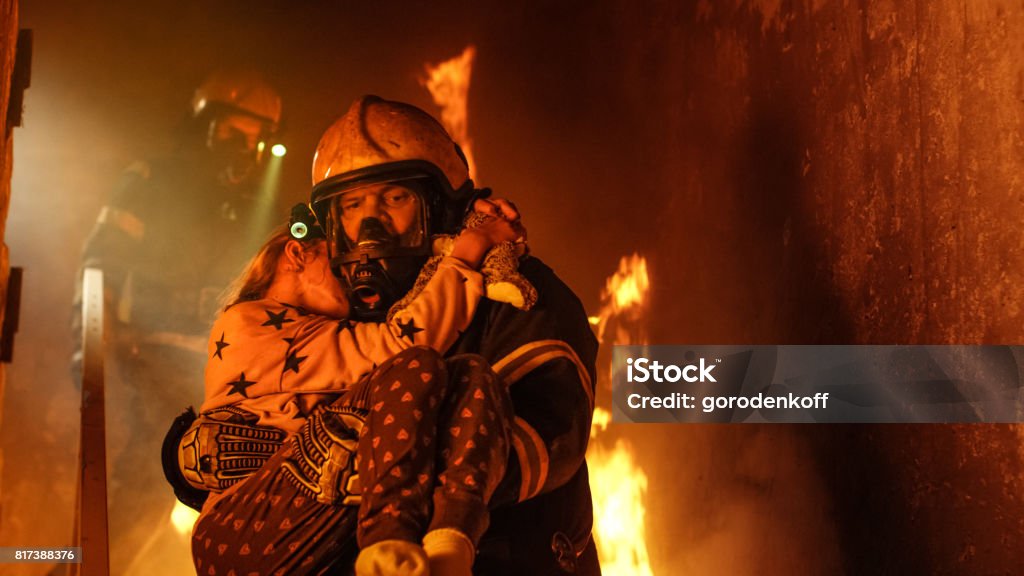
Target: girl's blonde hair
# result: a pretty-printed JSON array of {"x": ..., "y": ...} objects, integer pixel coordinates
[{"x": 259, "y": 273}]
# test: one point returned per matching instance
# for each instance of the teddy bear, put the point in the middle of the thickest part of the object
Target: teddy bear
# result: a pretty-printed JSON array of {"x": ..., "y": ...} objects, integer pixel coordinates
[{"x": 500, "y": 269}]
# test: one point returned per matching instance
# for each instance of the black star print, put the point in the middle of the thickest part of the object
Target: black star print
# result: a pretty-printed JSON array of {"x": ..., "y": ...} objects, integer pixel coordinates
[
  {"x": 277, "y": 320},
  {"x": 239, "y": 386},
  {"x": 342, "y": 325},
  {"x": 409, "y": 329},
  {"x": 293, "y": 361},
  {"x": 221, "y": 345},
  {"x": 298, "y": 309},
  {"x": 288, "y": 340}
]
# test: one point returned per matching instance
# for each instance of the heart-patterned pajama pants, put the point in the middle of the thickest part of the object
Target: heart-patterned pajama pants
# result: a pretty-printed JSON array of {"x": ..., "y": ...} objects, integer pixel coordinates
[{"x": 430, "y": 453}]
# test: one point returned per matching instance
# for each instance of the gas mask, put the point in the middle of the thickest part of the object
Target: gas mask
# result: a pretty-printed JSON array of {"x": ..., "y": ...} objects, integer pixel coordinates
[
  {"x": 379, "y": 265},
  {"x": 378, "y": 270},
  {"x": 378, "y": 226}
]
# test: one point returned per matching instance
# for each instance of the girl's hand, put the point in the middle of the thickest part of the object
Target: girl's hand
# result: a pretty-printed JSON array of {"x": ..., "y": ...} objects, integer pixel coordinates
[
  {"x": 473, "y": 243},
  {"x": 497, "y": 207},
  {"x": 502, "y": 208}
]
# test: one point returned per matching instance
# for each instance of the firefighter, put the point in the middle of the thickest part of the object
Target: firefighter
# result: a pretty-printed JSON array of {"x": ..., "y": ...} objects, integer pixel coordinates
[
  {"x": 542, "y": 510},
  {"x": 175, "y": 231}
]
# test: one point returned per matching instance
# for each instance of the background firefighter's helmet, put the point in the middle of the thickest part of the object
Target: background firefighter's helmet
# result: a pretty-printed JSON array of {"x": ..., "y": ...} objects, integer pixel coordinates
[
  {"x": 379, "y": 141},
  {"x": 240, "y": 92},
  {"x": 238, "y": 114}
]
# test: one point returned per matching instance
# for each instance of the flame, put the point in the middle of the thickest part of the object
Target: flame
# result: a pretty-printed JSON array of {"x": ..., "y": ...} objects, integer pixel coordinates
[
  {"x": 617, "y": 482},
  {"x": 600, "y": 422},
  {"x": 619, "y": 486},
  {"x": 448, "y": 83},
  {"x": 183, "y": 518},
  {"x": 629, "y": 285},
  {"x": 624, "y": 298}
]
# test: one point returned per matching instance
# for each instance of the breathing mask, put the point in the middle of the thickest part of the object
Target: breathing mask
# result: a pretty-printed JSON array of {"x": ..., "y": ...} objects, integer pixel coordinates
[{"x": 378, "y": 229}]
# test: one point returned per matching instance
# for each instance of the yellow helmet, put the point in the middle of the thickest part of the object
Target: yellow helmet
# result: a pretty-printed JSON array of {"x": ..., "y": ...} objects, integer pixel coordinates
[
  {"x": 239, "y": 92},
  {"x": 379, "y": 141},
  {"x": 376, "y": 142},
  {"x": 377, "y": 133}
]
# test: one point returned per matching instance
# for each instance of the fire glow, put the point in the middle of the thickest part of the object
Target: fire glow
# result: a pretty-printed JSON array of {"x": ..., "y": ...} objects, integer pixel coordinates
[
  {"x": 629, "y": 285},
  {"x": 617, "y": 482},
  {"x": 448, "y": 83},
  {"x": 619, "y": 487},
  {"x": 624, "y": 299},
  {"x": 183, "y": 518}
]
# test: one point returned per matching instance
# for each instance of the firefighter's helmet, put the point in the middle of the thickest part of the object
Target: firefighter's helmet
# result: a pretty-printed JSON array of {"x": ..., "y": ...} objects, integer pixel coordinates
[
  {"x": 380, "y": 142},
  {"x": 376, "y": 134},
  {"x": 239, "y": 92}
]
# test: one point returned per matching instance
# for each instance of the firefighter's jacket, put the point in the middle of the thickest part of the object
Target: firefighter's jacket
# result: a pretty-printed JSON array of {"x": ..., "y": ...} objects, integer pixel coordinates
[{"x": 546, "y": 356}]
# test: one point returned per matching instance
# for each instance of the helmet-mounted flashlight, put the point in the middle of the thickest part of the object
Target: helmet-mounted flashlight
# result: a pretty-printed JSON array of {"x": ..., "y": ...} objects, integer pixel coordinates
[{"x": 303, "y": 224}]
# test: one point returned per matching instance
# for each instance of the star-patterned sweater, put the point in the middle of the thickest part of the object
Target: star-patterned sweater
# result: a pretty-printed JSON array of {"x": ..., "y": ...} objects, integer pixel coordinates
[{"x": 279, "y": 361}]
